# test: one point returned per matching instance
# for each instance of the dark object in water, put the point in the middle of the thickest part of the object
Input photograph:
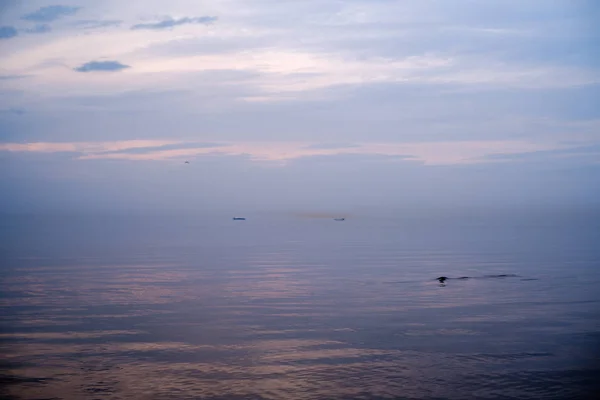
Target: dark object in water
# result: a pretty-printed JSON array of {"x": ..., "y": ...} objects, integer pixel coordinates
[
  {"x": 339, "y": 219},
  {"x": 502, "y": 276},
  {"x": 442, "y": 279},
  {"x": 187, "y": 162},
  {"x": 239, "y": 219}
]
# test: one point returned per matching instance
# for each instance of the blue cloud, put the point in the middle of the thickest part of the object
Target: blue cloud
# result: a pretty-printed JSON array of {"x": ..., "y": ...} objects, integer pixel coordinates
[
  {"x": 7, "y": 32},
  {"x": 43, "y": 28},
  {"x": 95, "y": 24},
  {"x": 553, "y": 155},
  {"x": 50, "y": 13},
  {"x": 13, "y": 111},
  {"x": 101, "y": 66},
  {"x": 170, "y": 23},
  {"x": 12, "y": 77}
]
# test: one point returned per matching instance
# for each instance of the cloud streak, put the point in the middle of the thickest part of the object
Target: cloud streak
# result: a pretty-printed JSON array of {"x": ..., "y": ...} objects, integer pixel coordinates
[
  {"x": 97, "y": 24},
  {"x": 103, "y": 66},
  {"x": 549, "y": 155},
  {"x": 171, "y": 23},
  {"x": 13, "y": 111},
  {"x": 436, "y": 153},
  {"x": 166, "y": 147},
  {"x": 12, "y": 77},
  {"x": 83, "y": 147},
  {"x": 50, "y": 13},
  {"x": 42, "y": 28},
  {"x": 333, "y": 146}
]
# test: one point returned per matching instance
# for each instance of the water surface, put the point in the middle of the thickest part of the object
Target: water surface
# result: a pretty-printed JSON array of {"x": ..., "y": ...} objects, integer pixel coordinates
[{"x": 282, "y": 307}]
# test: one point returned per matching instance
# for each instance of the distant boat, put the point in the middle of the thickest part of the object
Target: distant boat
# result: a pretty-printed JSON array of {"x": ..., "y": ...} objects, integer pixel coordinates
[
  {"x": 339, "y": 219},
  {"x": 239, "y": 219}
]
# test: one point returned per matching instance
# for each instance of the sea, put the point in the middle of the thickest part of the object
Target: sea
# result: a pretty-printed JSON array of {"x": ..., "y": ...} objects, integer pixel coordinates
[{"x": 298, "y": 306}]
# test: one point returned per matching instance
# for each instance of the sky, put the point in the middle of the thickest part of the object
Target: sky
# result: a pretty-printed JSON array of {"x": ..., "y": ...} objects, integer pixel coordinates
[{"x": 298, "y": 105}]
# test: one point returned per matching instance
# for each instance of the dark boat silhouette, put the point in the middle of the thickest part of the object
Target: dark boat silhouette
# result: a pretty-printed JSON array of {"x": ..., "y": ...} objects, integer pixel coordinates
[
  {"x": 339, "y": 219},
  {"x": 239, "y": 219}
]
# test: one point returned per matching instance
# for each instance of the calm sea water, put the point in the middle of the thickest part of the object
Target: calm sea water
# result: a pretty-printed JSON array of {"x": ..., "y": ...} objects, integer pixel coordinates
[{"x": 284, "y": 307}]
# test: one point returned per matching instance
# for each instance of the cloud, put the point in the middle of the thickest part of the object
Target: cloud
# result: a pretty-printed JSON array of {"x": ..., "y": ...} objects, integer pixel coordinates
[
  {"x": 96, "y": 24},
  {"x": 42, "y": 28},
  {"x": 82, "y": 147},
  {"x": 434, "y": 153},
  {"x": 7, "y": 32},
  {"x": 173, "y": 146},
  {"x": 356, "y": 158},
  {"x": 170, "y": 22},
  {"x": 13, "y": 111},
  {"x": 102, "y": 66},
  {"x": 326, "y": 146},
  {"x": 12, "y": 77},
  {"x": 50, "y": 13},
  {"x": 553, "y": 155}
]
